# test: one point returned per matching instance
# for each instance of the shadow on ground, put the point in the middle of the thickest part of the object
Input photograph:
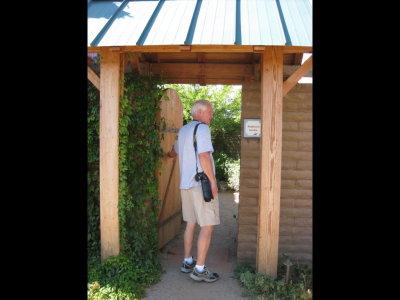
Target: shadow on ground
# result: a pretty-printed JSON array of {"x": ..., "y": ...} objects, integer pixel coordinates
[{"x": 221, "y": 258}]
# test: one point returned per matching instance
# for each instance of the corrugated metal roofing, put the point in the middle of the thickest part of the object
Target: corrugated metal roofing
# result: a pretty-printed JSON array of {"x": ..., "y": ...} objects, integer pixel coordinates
[{"x": 200, "y": 22}]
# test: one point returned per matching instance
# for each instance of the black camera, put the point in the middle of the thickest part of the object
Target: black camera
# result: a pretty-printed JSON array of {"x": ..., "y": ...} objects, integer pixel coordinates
[
  {"x": 205, "y": 185},
  {"x": 201, "y": 176}
]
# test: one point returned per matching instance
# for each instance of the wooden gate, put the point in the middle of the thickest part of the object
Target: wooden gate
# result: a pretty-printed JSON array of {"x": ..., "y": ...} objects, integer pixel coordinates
[{"x": 170, "y": 215}]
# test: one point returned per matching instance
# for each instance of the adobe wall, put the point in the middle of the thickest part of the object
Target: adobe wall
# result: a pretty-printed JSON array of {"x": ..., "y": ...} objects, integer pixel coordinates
[{"x": 295, "y": 238}]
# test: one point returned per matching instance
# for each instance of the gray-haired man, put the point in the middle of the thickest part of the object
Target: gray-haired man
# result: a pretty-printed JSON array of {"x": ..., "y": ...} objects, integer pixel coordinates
[{"x": 194, "y": 209}]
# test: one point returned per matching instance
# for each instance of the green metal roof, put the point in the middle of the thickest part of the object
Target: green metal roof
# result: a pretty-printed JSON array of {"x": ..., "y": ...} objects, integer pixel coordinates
[{"x": 200, "y": 22}]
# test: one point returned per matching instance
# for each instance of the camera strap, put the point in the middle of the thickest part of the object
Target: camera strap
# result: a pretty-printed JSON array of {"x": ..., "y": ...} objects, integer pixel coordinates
[{"x": 195, "y": 143}]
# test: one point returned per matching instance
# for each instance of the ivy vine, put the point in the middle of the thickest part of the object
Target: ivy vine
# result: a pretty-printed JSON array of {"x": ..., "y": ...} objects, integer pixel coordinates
[
  {"x": 140, "y": 156},
  {"x": 93, "y": 188}
]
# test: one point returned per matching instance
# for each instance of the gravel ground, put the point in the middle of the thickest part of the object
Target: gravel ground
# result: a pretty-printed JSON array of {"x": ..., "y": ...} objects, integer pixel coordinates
[{"x": 221, "y": 259}]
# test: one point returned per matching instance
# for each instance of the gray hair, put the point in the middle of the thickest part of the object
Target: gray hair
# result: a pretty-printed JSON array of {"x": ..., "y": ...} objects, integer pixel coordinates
[{"x": 199, "y": 104}]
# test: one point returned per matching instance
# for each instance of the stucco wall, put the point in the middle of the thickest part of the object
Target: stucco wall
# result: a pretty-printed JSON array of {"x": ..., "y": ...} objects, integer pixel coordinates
[{"x": 295, "y": 237}]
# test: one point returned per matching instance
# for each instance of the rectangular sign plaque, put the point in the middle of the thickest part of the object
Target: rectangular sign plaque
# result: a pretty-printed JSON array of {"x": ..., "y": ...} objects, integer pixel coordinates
[{"x": 252, "y": 128}]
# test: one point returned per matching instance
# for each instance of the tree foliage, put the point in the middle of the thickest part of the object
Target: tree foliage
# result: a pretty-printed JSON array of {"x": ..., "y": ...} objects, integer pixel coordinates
[{"x": 225, "y": 126}]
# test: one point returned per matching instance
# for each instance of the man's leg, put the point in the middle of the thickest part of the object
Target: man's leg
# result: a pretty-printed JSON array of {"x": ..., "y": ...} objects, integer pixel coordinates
[
  {"x": 203, "y": 243},
  {"x": 188, "y": 238}
]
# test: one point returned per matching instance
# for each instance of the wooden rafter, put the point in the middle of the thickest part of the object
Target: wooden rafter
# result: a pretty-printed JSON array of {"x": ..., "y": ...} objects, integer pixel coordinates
[{"x": 295, "y": 77}]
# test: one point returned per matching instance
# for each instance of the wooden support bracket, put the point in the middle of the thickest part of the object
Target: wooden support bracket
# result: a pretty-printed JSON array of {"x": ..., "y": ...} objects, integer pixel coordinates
[
  {"x": 295, "y": 77},
  {"x": 92, "y": 76}
]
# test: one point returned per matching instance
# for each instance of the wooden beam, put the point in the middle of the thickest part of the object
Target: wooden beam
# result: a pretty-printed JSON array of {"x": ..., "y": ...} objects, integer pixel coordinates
[
  {"x": 202, "y": 75},
  {"x": 298, "y": 58},
  {"x": 257, "y": 73},
  {"x": 201, "y": 48},
  {"x": 200, "y": 57},
  {"x": 270, "y": 161},
  {"x": 179, "y": 48},
  {"x": 215, "y": 70},
  {"x": 295, "y": 77},
  {"x": 122, "y": 68},
  {"x": 296, "y": 49},
  {"x": 203, "y": 72},
  {"x": 259, "y": 49},
  {"x": 109, "y": 173},
  {"x": 92, "y": 76},
  {"x": 198, "y": 80}
]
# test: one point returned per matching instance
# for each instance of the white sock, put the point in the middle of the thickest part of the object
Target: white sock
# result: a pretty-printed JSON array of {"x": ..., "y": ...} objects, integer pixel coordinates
[
  {"x": 189, "y": 260},
  {"x": 200, "y": 268}
]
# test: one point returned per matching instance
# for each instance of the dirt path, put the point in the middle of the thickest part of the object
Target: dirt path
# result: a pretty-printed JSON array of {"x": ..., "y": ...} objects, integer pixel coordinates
[{"x": 221, "y": 259}]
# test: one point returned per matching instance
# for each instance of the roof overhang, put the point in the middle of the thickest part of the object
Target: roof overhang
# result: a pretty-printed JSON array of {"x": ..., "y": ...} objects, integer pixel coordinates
[{"x": 199, "y": 48}]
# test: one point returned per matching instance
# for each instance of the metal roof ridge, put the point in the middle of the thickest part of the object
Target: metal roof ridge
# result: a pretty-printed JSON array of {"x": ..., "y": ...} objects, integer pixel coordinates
[
  {"x": 238, "y": 29},
  {"x": 283, "y": 22},
  {"x": 193, "y": 23},
  {"x": 149, "y": 24},
  {"x": 103, "y": 31}
]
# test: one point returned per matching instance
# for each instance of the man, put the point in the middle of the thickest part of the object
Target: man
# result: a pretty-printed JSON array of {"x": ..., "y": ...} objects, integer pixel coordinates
[{"x": 194, "y": 209}]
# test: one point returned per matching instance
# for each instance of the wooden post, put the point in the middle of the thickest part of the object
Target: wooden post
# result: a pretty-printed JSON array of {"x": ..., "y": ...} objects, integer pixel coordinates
[
  {"x": 270, "y": 161},
  {"x": 109, "y": 171}
]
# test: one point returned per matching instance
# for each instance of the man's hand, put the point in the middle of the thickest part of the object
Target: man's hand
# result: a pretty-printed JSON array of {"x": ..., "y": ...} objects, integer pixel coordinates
[
  {"x": 214, "y": 189},
  {"x": 171, "y": 153}
]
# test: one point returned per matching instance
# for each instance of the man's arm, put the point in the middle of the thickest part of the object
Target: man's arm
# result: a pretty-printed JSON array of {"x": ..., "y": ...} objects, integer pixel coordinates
[{"x": 205, "y": 162}]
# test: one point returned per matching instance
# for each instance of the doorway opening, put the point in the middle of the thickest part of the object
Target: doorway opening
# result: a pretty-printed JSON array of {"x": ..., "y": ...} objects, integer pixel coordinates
[{"x": 226, "y": 139}]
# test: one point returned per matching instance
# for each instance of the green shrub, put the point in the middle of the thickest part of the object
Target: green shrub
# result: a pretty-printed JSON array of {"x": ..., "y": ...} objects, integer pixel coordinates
[
  {"x": 118, "y": 278},
  {"x": 264, "y": 287},
  {"x": 219, "y": 162},
  {"x": 232, "y": 169},
  {"x": 227, "y": 170}
]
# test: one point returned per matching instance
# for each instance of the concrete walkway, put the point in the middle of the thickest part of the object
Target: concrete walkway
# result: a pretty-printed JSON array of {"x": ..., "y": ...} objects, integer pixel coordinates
[{"x": 221, "y": 259}]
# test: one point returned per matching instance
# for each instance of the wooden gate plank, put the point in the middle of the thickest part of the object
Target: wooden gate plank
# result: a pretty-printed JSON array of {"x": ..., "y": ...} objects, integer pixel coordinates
[{"x": 170, "y": 212}]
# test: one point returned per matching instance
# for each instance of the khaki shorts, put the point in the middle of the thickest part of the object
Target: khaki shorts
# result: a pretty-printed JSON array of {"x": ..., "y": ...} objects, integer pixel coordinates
[{"x": 195, "y": 209}]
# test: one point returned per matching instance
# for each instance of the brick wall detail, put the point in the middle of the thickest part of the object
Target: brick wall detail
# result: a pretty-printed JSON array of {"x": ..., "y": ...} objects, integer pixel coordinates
[{"x": 295, "y": 238}]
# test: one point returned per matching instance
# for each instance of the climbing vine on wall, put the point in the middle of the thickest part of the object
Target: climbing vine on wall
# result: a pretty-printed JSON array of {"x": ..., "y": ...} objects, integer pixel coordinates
[
  {"x": 139, "y": 157},
  {"x": 93, "y": 191},
  {"x": 136, "y": 267}
]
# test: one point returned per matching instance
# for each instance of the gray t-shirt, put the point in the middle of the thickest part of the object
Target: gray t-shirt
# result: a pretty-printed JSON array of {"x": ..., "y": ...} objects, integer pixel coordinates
[{"x": 184, "y": 147}]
